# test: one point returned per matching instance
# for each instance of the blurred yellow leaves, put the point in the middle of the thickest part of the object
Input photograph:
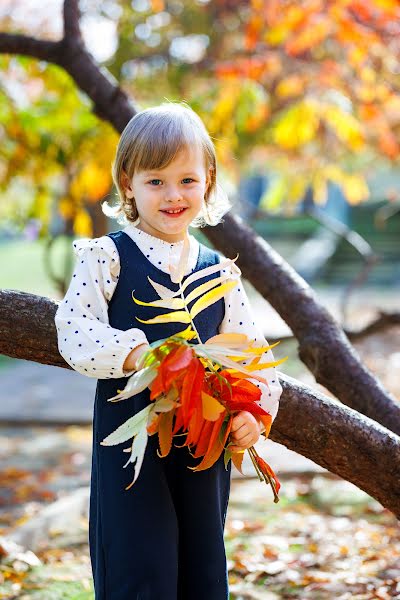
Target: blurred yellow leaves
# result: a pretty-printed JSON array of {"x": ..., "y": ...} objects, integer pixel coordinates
[
  {"x": 92, "y": 182},
  {"x": 83, "y": 224},
  {"x": 354, "y": 188},
  {"x": 297, "y": 126},
  {"x": 290, "y": 86},
  {"x": 347, "y": 128}
]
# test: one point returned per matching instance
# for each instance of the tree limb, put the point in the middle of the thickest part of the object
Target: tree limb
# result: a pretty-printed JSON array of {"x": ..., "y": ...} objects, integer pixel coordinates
[
  {"x": 339, "y": 439},
  {"x": 385, "y": 320},
  {"x": 72, "y": 30},
  {"x": 15, "y": 43}
]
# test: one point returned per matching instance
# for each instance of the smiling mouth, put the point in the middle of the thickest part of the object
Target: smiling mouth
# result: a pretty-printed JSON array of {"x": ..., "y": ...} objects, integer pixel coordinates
[{"x": 174, "y": 212}]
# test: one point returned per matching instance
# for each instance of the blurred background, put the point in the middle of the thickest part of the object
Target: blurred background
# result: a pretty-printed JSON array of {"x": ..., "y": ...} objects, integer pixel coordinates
[{"x": 302, "y": 102}]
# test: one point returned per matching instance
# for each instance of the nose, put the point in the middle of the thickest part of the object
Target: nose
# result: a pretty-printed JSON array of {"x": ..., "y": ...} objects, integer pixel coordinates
[{"x": 173, "y": 194}]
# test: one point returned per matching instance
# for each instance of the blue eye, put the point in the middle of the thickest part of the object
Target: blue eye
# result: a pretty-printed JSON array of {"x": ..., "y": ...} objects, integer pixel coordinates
[{"x": 186, "y": 179}]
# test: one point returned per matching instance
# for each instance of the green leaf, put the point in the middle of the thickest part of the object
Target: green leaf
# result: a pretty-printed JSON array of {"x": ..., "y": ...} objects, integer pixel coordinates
[{"x": 227, "y": 458}]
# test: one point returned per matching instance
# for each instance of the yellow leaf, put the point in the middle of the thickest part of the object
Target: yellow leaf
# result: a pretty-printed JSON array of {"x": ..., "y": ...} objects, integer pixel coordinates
[
  {"x": 179, "y": 316},
  {"x": 345, "y": 126},
  {"x": 261, "y": 349},
  {"x": 173, "y": 303},
  {"x": 293, "y": 85},
  {"x": 211, "y": 297},
  {"x": 233, "y": 340},
  {"x": 200, "y": 289},
  {"x": 83, "y": 224},
  {"x": 355, "y": 188},
  {"x": 297, "y": 126},
  {"x": 66, "y": 208},
  {"x": 225, "y": 264},
  {"x": 261, "y": 366},
  {"x": 187, "y": 334},
  {"x": 211, "y": 407},
  {"x": 320, "y": 188},
  {"x": 165, "y": 292}
]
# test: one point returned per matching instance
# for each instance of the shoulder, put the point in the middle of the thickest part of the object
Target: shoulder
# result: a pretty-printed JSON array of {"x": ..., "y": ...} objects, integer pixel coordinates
[{"x": 101, "y": 248}]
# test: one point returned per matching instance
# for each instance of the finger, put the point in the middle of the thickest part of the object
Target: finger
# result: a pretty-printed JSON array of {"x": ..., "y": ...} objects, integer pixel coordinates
[
  {"x": 247, "y": 440},
  {"x": 240, "y": 431},
  {"x": 243, "y": 437},
  {"x": 237, "y": 423}
]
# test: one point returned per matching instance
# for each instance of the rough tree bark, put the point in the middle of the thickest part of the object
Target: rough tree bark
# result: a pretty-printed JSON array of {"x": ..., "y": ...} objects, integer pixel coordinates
[
  {"x": 323, "y": 430},
  {"x": 323, "y": 346}
]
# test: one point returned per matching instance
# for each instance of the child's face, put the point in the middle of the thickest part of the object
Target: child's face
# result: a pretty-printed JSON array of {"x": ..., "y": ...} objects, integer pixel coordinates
[{"x": 181, "y": 185}]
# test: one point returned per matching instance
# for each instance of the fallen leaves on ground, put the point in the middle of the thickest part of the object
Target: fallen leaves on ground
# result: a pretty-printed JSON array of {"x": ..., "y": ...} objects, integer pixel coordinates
[{"x": 326, "y": 539}]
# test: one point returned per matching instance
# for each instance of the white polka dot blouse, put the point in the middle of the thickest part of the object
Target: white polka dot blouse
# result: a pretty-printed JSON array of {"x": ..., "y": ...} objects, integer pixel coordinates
[{"x": 92, "y": 347}]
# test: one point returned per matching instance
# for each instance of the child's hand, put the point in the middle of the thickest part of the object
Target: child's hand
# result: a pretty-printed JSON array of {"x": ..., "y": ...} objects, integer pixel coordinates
[
  {"x": 245, "y": 431},
  {"x": 133, "y": 357}
]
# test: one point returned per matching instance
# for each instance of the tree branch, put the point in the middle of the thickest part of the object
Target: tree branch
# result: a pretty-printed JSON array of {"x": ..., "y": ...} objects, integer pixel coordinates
[
  {"x": 339, "y": 439},
  {"x": 385, "y": 320},
  {"x": 72, "y": 30},
  {"x": 15, "y": 43},
  {"x": 110, "y": 102}
]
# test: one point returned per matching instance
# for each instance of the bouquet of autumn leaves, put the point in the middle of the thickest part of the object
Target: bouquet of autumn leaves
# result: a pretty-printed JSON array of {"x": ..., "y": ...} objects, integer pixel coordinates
[{"x": 195, "y": 389}]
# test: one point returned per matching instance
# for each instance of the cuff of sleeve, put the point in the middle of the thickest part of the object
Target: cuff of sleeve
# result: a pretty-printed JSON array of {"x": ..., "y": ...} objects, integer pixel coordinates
[{"x": 121, "y": 346}]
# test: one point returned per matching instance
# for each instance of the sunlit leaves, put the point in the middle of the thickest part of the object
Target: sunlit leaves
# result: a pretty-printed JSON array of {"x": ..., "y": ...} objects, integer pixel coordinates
[
  {"x": 304, "y": 86},
  {"x": 296, "y": 126}
]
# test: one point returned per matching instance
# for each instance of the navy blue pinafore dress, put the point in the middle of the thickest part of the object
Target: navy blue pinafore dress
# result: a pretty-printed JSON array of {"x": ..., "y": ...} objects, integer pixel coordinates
[{"x": 163, "y": 538}]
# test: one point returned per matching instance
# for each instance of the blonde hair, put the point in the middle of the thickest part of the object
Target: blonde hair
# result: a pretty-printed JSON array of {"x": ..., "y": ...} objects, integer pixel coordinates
[{"x": 150, "y": 141}]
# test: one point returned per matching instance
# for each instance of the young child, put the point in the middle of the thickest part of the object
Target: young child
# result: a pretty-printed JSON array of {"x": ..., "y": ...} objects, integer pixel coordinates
[{"x": 164, "y": 538}]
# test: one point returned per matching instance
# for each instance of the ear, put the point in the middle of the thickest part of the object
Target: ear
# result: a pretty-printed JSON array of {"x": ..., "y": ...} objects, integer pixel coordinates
[
  {"x": 126, "y": 185},
  {"x": 208, "y": 178}
]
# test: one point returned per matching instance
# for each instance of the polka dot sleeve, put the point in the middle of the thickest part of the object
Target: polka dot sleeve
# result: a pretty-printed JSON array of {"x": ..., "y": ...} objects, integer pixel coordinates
[
  {"x": 86, "y": 340},
  {"x": 239, "y": 318}
]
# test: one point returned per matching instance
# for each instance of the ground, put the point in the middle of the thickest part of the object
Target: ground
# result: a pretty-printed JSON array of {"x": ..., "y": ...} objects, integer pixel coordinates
[{"x": 324, "y": 539}]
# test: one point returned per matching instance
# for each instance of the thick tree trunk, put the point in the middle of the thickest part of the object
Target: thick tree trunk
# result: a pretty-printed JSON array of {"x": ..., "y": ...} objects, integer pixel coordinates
[{"x": 332, "y": 435}]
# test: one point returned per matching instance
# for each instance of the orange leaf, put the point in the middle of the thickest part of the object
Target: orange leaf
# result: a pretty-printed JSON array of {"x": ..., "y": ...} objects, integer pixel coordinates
[
  {"x": 211, "y": 407},
  {"x": 204, "y": 438},
  {"x": 195, "y": 426},
  {"x": 237, "y": 459},
  {"x": 152, "y": 427},
  {"x": 265, "y": 468},
  {"x": 215, "y": 446},
  {"x": 177, "y": 360},
  {"x": 165, "y": 433},
  {"x": 267, "y": 422},
  {"x": 178, "y": 421},
  {"x": 190, "y": 393}
]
